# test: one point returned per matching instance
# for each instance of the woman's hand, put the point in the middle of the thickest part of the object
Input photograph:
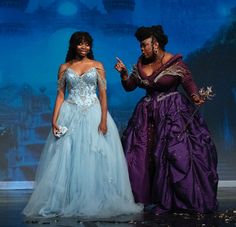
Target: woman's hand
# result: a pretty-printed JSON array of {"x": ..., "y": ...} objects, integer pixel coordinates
[
  {"x": 198, "y": 100},
  {"x": 102, "y": 128},
  {"x": 120, "y": 66},
  {"x": 55, "y": 128}
]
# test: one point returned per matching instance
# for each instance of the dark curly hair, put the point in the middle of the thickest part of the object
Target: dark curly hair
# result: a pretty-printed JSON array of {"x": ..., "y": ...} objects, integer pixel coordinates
[
  {"x": 75, "y": 39},
  {"x": 155, "y": 31}
]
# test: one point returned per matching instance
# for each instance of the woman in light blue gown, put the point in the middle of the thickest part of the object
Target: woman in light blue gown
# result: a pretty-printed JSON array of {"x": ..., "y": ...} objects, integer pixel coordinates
[{"x": 82, "y": 170}]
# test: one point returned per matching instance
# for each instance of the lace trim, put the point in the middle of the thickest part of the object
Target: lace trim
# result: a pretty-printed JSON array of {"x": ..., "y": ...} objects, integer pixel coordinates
[
  {"x": 61, "y": 83},
  {"x": 136, "y": 75},
  {"x": 101, "y": 81},
  {"x": 173, "y": 70},
  {"x": 160, "y": 96}
]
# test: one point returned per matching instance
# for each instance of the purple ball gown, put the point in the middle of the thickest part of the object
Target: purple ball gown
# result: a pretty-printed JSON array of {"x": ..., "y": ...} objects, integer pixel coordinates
[{"x": 171, "y": 157}]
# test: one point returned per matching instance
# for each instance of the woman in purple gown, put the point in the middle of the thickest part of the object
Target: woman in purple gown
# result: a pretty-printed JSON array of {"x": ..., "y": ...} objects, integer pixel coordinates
[{"x": 171, "y": 157}]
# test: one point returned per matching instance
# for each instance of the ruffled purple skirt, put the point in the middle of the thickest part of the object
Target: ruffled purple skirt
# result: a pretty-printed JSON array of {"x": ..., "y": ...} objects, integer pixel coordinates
[{"x": 171, "y": 157}]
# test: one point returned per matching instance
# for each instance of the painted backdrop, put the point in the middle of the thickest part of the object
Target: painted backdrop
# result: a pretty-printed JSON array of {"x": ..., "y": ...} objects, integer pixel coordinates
[{"x": 34, "y": 40}]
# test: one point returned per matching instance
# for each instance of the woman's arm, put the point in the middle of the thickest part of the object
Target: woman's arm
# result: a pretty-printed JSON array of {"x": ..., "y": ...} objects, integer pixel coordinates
[
  {"x": 60, "y": 97},
  {"x": 189, "y": 85},
  {"x": 102, "y": 97},
  {"x": 128, "y": 82}
]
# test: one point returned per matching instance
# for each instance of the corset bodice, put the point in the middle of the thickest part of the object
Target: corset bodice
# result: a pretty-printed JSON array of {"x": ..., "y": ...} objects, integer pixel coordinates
[{"x": 81, "y": 88}]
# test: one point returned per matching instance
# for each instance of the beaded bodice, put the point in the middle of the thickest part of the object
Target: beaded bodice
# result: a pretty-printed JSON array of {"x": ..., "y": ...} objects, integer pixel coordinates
[{"x": 81, "y": 88}]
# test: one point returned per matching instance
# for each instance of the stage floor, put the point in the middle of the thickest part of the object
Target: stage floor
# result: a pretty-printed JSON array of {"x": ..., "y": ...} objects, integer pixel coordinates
[{"x": 13, "y": 201}]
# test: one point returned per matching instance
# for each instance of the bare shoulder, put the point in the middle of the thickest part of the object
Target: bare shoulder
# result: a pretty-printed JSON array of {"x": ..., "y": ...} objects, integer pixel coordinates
[
  {"x": 100, "y": 69},
  {"x": 167, "y": 57},
  {"x": 64, "y": 66},
  {"x": 62, "y": 69},
  {"x": 98, "y": 65}
]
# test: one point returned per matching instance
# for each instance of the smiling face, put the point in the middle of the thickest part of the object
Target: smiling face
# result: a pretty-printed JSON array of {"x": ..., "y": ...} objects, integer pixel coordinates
[
  {"x": 80, "y": 46},
  {"x": 83, "y": 48},
  {"x": 147, "y": 46}
]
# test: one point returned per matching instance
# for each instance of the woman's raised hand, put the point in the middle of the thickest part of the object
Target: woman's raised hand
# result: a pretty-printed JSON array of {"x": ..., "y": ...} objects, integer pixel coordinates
[{"x": 120, "y": 66}]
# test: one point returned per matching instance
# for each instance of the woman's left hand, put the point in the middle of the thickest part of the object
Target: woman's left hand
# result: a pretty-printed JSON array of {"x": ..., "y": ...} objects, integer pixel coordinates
[
  {"x": 102, "y": 128},
  {"x": 198, "y": 100}
]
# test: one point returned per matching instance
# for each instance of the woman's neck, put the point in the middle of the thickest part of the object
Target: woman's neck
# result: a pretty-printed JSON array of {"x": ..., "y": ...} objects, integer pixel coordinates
[
  {"x": 156, "y": 58},
  {"x": 160, "y": 55},
  {"x": 80, "y": 59},
  {"x": 146, "y": 61}
]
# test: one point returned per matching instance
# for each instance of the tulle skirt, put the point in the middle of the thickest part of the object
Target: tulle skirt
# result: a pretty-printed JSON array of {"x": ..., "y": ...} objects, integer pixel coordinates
[{"x": 84, "y": 172}]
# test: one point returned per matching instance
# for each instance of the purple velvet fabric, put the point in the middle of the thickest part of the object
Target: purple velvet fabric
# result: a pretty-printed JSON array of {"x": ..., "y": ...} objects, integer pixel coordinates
[{"x": 171, "y": 157}]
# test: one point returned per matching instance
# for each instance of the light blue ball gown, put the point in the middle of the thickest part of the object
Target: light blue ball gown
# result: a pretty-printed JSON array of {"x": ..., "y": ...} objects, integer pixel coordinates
[{"x": 83, "y": 173}]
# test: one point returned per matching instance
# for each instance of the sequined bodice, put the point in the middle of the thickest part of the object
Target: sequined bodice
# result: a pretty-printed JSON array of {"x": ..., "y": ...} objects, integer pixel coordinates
[{"x": 81, "y": 88}]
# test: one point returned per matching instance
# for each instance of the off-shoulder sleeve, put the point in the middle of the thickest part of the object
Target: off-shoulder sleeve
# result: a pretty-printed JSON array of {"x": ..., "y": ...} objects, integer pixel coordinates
[
  {"x": 131, "y": 82},
  {"x": 61, "y": 82},
  {"x": 101, "y": 78}
]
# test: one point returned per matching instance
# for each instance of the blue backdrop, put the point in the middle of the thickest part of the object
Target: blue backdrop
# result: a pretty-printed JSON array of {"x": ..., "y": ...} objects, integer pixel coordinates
[{"x": 34, "y": 40}]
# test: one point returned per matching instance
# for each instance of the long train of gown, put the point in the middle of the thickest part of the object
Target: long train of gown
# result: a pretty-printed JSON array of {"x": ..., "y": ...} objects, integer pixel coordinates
[{"x": 83, "y": 173}]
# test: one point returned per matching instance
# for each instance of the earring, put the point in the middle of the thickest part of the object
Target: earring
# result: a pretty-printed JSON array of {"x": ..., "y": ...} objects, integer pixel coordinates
[{"x": 155, "y": 50}]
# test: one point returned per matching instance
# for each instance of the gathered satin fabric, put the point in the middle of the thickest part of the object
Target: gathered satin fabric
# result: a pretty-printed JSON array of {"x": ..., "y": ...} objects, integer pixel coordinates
[{"x": 171, "y": 157}]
